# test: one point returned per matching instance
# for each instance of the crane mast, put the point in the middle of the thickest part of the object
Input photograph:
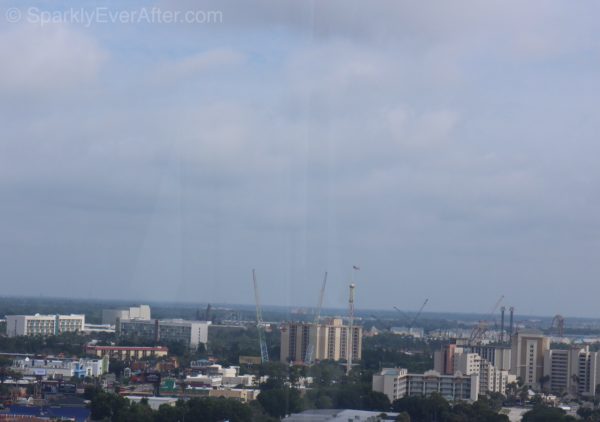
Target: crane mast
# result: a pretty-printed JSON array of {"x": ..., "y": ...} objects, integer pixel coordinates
[
  {"x": 412, "y": 323},
  {"x": 350, "y": 343},
  {"x": 260, "y": 325},
  {"x": 310, "y": 351}
]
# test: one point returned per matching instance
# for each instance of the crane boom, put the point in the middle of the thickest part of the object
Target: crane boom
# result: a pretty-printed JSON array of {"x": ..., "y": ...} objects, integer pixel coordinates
[
  {"x": 310, "y": 350},
  {"x": 480, "y": 329},
  {"x": 418, "y": 314},
  {"x": 404, "y": 315},
  {"x": 260, "y": 325}
]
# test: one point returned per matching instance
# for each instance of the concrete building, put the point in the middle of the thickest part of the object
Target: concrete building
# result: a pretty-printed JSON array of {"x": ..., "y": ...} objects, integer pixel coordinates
[
  {"x": 527, "y": 356},
  {"x": 468, "y": 361},
  {"x": 190, "y": 333},
  {"x": 43, "y": 325},
  {"x": 575, "y": 371},
  {"x": 110, "y": 316},
  {"x": 443, "y": 360},
  {"x": 98, "y": 328},
  {"x": 126, "y": 352},
  {"x": 330, "y": 340},
  {"x": 499, "y": 356},
  {"x": 243, "y": 395},
  {"x": 397, "y": 383},
  {"x": 61, "y": 368}
]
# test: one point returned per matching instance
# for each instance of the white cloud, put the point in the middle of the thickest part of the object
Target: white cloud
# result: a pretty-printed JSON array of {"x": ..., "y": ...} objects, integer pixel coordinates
[{"x": 51, "y": 59}]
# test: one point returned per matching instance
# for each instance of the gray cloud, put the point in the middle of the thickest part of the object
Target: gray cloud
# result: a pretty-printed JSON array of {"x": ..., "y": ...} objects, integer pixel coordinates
[{"x": 449, "y": 151}]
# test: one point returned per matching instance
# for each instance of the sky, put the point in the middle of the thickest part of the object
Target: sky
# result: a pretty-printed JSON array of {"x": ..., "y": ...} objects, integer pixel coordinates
[{"x": 448, "y": 149}]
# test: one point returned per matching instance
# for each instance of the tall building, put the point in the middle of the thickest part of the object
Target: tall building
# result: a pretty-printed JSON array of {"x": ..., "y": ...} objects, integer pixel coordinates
[
  {"x": 527, "y": 356},
  {"x": 330, "y": 340},
  {"x": 43, "y": 325},
  {"x": 467, "y": 360},
  {"x": 443, "y": 360},
  {"x": 190, "y": 333},
  {"x": 397, "y": 383},
  {"x": 499, "y": 356},
  {"x": 575, "y": 371},
  {"x": 110, "y": 316}
]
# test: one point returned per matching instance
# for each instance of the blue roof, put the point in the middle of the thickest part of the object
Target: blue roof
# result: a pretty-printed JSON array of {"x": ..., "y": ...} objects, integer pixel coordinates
[{"x": 80, "y": 414}]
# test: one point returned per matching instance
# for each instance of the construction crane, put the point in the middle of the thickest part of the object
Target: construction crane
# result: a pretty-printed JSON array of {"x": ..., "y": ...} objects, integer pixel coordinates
[
  {"x": 404, "y": 314},
  {"x": 379, "y": 320},
  {"x": 411, "y": 321},
  {"x": 310, "y": 350},
  {"x": 260, "y": 325},
  {"x": 350, "y": 336},
  {"x": 480, "y": 329}
]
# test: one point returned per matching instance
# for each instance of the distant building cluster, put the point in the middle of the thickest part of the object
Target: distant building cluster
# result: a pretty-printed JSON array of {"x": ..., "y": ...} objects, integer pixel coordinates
[
  {"x": 463, "y": 372},
  {"x": 575, "y": 370},
  {"x": 329, "y": 339},
  {"x": 111, "y": 316},
  {"x": 60, "y": 368},
  {"x": 218, "y": 381}
]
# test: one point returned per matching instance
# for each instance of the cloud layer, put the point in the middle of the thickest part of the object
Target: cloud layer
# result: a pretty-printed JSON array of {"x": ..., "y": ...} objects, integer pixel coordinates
[{"x": 449, "y": 149}]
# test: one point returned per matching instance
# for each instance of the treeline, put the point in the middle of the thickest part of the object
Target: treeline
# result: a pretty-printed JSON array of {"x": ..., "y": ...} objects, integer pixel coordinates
[{"x": 114, "y": 408}]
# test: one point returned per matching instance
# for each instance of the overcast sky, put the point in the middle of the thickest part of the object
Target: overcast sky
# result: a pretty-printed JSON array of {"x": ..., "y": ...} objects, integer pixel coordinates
[{"x": 448, "y": 149}]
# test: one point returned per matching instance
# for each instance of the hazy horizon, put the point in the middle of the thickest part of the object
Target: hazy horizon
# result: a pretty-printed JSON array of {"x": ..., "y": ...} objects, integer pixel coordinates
[{"x": 448, "y": 149}]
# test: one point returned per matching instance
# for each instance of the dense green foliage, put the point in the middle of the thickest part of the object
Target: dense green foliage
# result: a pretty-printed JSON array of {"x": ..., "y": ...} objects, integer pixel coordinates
[
  {"x": 70, "y": 344},
  {"x": 111, "y": 407},
  {"x": 436, "y": 409},
  {"x": 588, "y": 414},
  {"x": 541, "y": 413}
]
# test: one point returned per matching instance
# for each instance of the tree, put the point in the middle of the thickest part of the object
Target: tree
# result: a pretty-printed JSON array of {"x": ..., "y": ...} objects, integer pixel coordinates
[
  {"x": 543, "y": 413},
  {"x": 524, "y": 393},
  {"x": 375, "y": 400},
  {"x": 543, "y": 381},
  {"x": 402, "y": 417},
  {"x": 280, "y": 402}
]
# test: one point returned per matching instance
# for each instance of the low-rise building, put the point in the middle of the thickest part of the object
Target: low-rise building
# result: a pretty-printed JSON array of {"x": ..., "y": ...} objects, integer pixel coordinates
[
  {"x": 126, "y": 352},
  {"x": 61, "y": 368},
  {"x": 241, "y": 394},
  {"x": 43, "y": 325},
  {"x": 397, "y": 383},
  {"x": 190, "y": 333},
  {"x": 340, "y": 415}
]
